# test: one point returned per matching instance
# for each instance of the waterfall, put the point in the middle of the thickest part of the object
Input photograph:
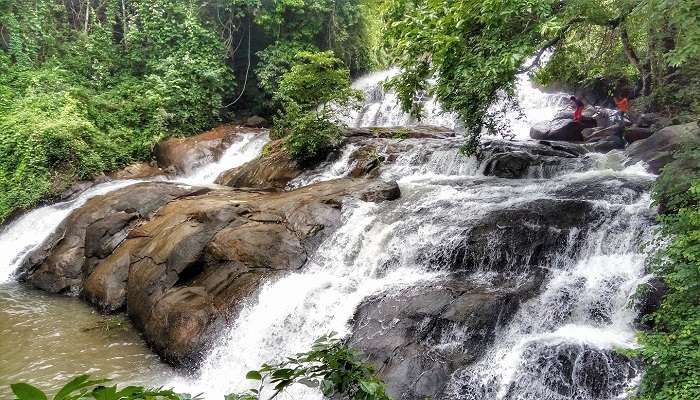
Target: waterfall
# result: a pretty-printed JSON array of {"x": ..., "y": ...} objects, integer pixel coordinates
[
  {"x": 27, "y": 232},
  {"x": 381, "y": 107},
  {"x": 581, "y": 311}
]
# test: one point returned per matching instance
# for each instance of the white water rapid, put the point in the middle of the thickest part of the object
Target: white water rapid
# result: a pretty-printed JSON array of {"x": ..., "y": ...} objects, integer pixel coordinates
[
  {"x": 563, "y": 334},
  {"x": 19, "y": 237}
]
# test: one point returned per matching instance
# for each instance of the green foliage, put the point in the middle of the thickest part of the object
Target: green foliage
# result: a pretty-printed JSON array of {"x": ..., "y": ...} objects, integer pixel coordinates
[
  {"x": 672, "y": 187},
  {"x": 314, "y": 92},
  {"x": 671, "y": 350},
  {"x": 308, "y": 135},
  {"x": 317, "y": 79},
  {"x": 335, "y": 369},
  {"x": 467, "y": 53},
  {"x": 82, "y": 388}
]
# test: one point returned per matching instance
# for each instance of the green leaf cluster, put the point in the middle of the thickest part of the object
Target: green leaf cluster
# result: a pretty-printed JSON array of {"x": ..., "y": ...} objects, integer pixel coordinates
[
  {"x": 338, "y": 371},
  {"x": 82, "y": 388},
  {"x": 314, "y": 94},
  {"x": 671, "y": 350}
]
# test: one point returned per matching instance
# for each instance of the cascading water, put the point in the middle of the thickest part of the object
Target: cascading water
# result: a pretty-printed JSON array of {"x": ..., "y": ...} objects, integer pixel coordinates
[
  {"x": 382, "y": 108},
  {"x": 562, "y": 335},
  {"x": 558, "y": 344}
]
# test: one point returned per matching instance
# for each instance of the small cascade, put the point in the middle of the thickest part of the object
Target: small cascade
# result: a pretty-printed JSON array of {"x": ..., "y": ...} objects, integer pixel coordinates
[
  {"x": 381, "y": 107},
  {"x": 21, "y": 236}
]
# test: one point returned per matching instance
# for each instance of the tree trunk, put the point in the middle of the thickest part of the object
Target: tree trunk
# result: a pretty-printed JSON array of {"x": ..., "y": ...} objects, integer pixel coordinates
[{"x": 634, "y": 60}]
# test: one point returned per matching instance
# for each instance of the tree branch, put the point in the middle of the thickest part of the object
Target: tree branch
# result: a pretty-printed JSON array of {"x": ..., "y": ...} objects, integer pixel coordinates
[{"x": 549, "y": 44}]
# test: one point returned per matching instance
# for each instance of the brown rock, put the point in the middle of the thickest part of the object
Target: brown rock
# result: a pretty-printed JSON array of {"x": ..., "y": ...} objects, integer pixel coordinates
[
  {"x": 92, "y": 232},
  {"x": 138, "y": 171},
  {"x": 274, "y": 169},
  {"x": 182, "y": 259},
  {"x": 186, "y": 154}
]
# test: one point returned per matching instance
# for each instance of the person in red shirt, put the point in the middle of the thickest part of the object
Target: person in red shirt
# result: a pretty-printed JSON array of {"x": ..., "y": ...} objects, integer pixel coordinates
[
  {"x": 578, "y": 114},
  {"x": 622, "y": 105}
]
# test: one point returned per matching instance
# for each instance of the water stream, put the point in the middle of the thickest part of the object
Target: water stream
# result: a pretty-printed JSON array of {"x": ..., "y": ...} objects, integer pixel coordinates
[{"x": 546, "y": 351}]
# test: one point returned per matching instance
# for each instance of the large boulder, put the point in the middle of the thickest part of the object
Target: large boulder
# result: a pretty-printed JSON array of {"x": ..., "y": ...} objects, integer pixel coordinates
[
  {"x": 183, "y": 155},
  {"x": 540, "y": 160},
  {"x": 404, "y": 333},
  {"x": 658, "y": 150},
  {"x": 565, "y": 129},
  {"x": 92, "y": 232},
  {"x": 182, "y": 259},
  {"x": 635, "y": 133},
  {"x": 274, "y": 169},
  {"x": 518, "y": 239}
]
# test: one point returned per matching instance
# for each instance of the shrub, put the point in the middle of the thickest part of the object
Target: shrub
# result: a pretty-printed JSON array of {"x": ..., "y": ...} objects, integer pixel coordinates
[
  {"x": 314, "y": 93},
  {"x": 671, "y": 350}
]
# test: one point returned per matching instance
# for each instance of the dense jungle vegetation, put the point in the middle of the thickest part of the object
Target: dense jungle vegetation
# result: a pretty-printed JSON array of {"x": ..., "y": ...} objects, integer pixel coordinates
[{"x": 88, "y": 86}]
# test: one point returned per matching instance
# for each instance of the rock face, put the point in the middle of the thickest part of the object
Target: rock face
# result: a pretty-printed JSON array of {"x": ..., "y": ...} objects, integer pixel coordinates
[
  {"x": 138, "y": 171},
  {"x": 92, "y": 232},
  {"x": 658, "y": 149},
  {"x": 542, "y": 160},
  {"x": 272, "y": 170},
  {"x": 182, "y": 258},
  {"x": 400, "y": 331},
  {"x": 183, "y": 155},
  {"x": 560, "y": 129},
  {"x": 529, "y": 234}
]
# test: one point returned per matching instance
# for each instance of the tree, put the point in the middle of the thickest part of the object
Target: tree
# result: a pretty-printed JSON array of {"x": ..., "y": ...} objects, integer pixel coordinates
[
  {"x": 474, "y": 49},
  {"x": 314, "y": 93}
]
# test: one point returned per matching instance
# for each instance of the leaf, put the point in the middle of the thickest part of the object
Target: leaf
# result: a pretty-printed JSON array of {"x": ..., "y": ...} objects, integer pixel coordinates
[
  {"x": 254, "y": 375},
  {"x": 25, "y": 391},
  {"x": 79, "y": 382},
  {"x": 308, "y": 382}
]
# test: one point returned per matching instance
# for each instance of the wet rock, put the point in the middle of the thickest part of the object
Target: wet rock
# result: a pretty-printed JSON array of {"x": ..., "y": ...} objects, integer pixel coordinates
[
  {"x": 528, "y": 234},
  {"x": 515, "y": 160},
  {"x": 616, "y": 189},
  {"x": 365, "y": 161},
  {"x": 658, "y": 149},
  {"x": 274, "y": 169},
  {"x": 633, "y": 133},
  {"x": 418, "y": 336},
  {"x": 570, "y": 370},
  {"x": 650, "y": 295},
  {"x": 595, "y": 134},
  {"x": 183, "y": 155},
  {"x": 93, "y": 231},
  {"x": 606, "y": 145},
  {"x": 138, "y": 171},
  {"x": 181, "y": 259},
  {"x": 256, "y": 121},
  {"x": 554, "y": 369},
  {"x": 560, "y": 129}
]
